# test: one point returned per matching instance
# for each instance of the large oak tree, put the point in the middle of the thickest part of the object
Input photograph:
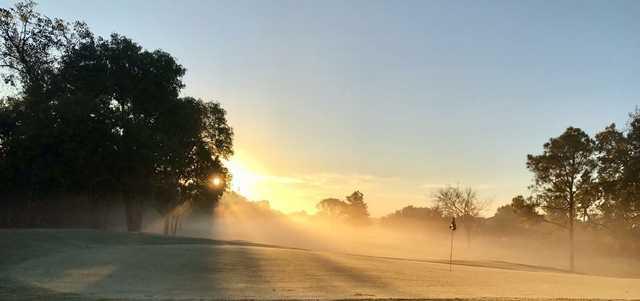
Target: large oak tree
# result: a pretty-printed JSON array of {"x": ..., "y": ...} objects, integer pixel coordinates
[{"x": 101, "y": 118}]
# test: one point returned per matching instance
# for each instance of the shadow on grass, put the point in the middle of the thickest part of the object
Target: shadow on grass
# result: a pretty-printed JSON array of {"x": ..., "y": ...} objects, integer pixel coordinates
[{"x": 61, "y": 265}]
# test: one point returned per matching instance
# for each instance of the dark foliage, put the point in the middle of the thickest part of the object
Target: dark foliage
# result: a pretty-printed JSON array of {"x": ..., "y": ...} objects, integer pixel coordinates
[
  {"x": 417, "y": 217},
  {"x": 98, "y": 121},
  {"x": 353, "y": 210}
]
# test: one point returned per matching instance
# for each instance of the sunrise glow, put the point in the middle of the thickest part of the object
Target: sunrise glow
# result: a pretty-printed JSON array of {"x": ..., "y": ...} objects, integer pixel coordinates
[
  {"x": 244, "y": 180},
  {"x": 216, "y": 181}
]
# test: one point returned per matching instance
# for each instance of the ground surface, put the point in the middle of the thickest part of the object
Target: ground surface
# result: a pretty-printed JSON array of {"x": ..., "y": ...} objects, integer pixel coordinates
[{"x": 82, "y": 264}]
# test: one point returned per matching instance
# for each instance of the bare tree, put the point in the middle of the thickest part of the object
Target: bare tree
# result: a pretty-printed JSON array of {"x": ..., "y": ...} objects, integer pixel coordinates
[{"x": 461, "y": 203}]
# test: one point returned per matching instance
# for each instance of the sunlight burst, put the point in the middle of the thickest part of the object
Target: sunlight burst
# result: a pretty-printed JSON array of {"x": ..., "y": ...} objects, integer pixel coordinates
[
  {"x": 216, "y": 181},
  {"x": 243, "y": 179}
]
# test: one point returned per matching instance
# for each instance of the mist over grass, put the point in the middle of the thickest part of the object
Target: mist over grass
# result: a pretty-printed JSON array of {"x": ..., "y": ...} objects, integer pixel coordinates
[{"x": 539, "y": 247}]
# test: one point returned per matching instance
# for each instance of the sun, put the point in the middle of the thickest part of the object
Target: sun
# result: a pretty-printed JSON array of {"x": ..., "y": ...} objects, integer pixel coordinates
[
  {"x": 243, "y": 180},
  {"x": 216, "y": 181}
]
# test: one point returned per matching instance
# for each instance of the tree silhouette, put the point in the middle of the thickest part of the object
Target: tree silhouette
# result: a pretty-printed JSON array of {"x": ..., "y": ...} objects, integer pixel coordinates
[
  {"x": 517, "y": 216},
  {"x": 417, "y": 216},
  {"x": 618, "y": 176},
  {"x": 333, "y": 208},
  {"x": 353, "y": 209},
  {"x": 32, "y": 45},
  {"x": 562, "y": 174},
  {"x": 103, "y": 119},
  {"x": 357, "y": 209},
  {"x": 461, "y": 203}
]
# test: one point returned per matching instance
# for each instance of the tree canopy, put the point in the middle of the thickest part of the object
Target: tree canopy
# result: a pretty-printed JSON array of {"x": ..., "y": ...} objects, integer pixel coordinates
[
  {"x": 563, "y": 174},
  {"x": 618, "y": 177},
  {"x": 353, "y": 209},
  {"x": 102, "y": 118}
]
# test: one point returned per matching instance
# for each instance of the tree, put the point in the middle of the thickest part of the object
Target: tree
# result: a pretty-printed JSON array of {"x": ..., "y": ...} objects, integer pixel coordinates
[
  {"x": 416, "y": 216},
  {"x": 525, "y": 209},
  {"x": 163, "y": 142},
  {"x": 562, "y": 175},
  {"x": 353, "y": 210},
  {"x": 630, "y": 203},
  {"x": 357, "y": 209},
  {"x": 333, "y": 208},
  {"x": 461, "y": 203},
  {"x": 102, "y": 118},
  {"x": 196, "y": 137},
  {"x": 618, "y": 176},
  {"x": 32, "y": 45},
  {"x": 30, "y": 49},
  {"x": 518, "y": 215}
]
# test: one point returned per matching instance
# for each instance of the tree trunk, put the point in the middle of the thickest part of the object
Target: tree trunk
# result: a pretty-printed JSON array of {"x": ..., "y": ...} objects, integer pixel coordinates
[
  {"x": 175, "y": 225},
  {"x": 572, "y": 217},
  {"x": 167, "y": 218},
  {"x": 133, "y": 208}
]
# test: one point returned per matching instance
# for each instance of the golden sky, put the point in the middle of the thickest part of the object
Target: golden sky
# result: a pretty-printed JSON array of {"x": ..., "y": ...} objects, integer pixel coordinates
[{"x": 300, "y": 192}]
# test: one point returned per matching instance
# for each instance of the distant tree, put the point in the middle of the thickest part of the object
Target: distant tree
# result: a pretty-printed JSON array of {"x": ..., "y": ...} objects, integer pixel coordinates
[
  {"x": 461, "y": 203},
  {"x": 235, "y": 206},
  {"x": 520, "y": 213},
  {"x": 357, "y": 208},
  {"x": 332, "y": 207},
  {"x": 353, "y": 210},
  {"x": 418, "y": 213},
  {"x": 525, "y": 209},
  {"x": 563, "y": 174},
  {"x": 414, "y": 216}
]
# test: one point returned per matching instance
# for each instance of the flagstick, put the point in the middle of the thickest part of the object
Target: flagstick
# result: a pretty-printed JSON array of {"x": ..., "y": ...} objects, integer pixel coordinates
[{"x": 451, "y": 254}]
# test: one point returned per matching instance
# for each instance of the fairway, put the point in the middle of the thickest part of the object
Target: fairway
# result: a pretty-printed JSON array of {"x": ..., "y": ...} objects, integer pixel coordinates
[
  {"x": 84, "y": 264},
  {"x": 319, "y": 150}
]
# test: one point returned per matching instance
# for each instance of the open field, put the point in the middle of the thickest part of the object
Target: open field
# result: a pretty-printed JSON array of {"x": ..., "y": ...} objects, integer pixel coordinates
[{"x": 82, "y": 264}]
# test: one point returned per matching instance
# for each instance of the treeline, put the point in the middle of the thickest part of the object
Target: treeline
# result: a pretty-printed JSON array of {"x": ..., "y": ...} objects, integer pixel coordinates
[
  {"x": 593, "y": 181},
  {"x": 93, "y": 122},
  {"x": 580, "y": 182}
]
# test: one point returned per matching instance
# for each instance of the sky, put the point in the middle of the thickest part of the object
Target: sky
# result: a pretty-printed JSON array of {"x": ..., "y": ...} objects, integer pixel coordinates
[{"x": 392, "y": 98}]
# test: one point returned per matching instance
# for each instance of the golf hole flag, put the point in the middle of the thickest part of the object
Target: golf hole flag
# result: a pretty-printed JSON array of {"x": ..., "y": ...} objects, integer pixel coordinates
[{"x": 452, "y": 227}]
